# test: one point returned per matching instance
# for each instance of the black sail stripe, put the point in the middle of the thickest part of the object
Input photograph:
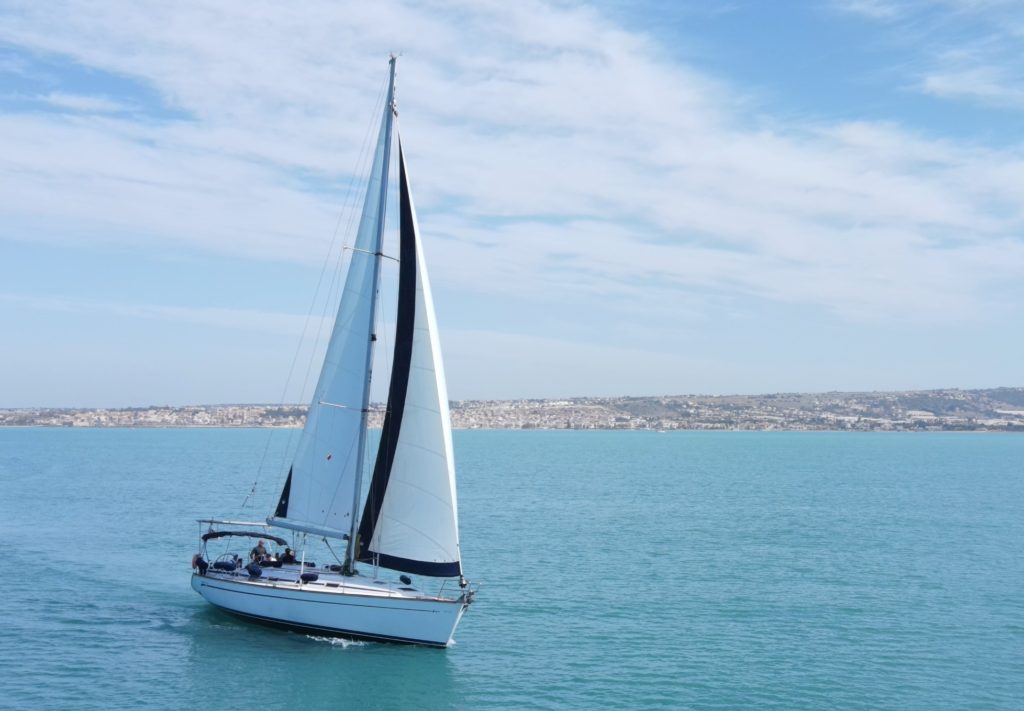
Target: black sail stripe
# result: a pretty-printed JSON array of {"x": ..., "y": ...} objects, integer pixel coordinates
[
  {"x": 282, "y": 504},
  {"x": 452, "y": 569},
  {"x": 404, "y": 327}
]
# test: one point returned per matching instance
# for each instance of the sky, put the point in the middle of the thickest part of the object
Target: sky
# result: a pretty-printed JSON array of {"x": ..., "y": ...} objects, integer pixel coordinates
[{"x": 616, "y": 198}]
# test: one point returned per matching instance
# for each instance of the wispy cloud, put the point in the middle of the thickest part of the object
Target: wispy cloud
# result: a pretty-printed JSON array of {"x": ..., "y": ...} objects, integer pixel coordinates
[
  {"x": 83, "y": 103},
  {"x": 220, "y": 318},
  {"x": 969, "y": 49},
  {"x": 561, "y": 163},
  {"x": 572, "y": 366},
  {"x": 874, "y": 9},
  {"x": 984, "y": 84}
]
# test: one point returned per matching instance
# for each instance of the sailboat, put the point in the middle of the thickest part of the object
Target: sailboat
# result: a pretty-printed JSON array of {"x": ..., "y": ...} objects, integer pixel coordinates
[{"x": 407, "y": 521}]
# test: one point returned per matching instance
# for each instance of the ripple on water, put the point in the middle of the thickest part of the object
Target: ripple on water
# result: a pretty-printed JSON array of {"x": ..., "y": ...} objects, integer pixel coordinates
[{"x": 690, "y": 570}]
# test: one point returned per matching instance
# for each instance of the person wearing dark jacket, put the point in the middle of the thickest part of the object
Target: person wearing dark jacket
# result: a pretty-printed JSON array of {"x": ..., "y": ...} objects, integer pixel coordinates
[{"x": 258, "y": 553}]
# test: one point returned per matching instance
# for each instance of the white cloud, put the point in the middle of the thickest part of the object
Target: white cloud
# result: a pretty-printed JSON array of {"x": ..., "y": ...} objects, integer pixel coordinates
[
  {"x": 554, "y": 154},
  {"x": 984, "y": 84}
]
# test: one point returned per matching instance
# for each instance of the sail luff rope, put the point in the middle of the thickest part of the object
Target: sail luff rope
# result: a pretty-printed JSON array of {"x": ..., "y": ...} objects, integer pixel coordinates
[
  {"x": 388, "y": 350},
  {"x": 338, "y": 283}
]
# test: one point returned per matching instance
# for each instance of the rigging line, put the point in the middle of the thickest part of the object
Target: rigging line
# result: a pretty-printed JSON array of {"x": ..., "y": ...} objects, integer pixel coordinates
[
  {"x": 327, "y": 260},
  {"x": 348, "y": 207},
  {"x": 332, "y": 550},
  {"x": 374, "y": 254},
  {"x": 333, "y": 295},
  {"x": 252, "y": 492},
  {"x": 337, "y": 405}
]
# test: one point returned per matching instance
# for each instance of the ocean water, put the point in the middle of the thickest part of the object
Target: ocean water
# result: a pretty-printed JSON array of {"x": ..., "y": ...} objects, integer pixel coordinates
[{"x": 620, "y": 569}]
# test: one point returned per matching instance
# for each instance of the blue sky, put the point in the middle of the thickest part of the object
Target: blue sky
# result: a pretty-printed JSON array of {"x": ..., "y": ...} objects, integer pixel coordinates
[{"x": 616, "y": 198}]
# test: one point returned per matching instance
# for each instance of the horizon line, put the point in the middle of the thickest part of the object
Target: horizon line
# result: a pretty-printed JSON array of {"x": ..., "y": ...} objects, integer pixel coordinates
[{"x": 506, "y": 399}]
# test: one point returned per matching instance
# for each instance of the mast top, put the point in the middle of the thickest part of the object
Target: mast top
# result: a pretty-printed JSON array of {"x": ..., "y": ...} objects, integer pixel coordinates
[{"x": 393, "y": 63}]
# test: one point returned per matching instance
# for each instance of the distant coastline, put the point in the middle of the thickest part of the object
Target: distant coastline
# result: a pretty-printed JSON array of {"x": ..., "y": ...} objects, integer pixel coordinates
[{"x": 994, "y": 409}]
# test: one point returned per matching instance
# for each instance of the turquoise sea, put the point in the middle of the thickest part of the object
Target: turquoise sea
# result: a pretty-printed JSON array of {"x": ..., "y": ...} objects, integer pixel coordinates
[{"x": 620, "y": 570}]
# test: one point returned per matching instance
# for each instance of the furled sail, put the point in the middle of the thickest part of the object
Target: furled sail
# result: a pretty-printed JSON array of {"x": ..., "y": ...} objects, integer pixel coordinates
[
  {"x": 320, "y": 493},
  {"x": 410, "y": 519}
]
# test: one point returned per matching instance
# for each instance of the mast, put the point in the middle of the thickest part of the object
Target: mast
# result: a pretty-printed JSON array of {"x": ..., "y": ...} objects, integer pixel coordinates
[{"x": 351, "y": 549}]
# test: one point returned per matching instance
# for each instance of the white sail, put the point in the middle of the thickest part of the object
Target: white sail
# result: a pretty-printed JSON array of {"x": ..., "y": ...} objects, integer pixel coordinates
[
  {"x": 321, "y": 490},
  {"x": 410, "y": 521}
]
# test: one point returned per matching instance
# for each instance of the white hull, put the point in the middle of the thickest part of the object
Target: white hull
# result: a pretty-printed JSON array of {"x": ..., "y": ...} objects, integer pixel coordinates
[{"x": 361, "y": 610}]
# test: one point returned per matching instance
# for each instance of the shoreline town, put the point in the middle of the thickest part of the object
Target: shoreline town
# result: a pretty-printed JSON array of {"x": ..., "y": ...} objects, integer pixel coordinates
[{"x": 996, "y": 409}]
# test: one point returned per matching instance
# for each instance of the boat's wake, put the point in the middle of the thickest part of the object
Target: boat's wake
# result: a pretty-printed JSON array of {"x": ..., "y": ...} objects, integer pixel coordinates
[{"x": 338, "y": 641}]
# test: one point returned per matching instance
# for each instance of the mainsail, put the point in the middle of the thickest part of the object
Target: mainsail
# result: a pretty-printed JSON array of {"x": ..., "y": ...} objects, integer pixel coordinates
[
  {"x": 410, "y": 519},
  {"x": 321, "y": 493}
]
